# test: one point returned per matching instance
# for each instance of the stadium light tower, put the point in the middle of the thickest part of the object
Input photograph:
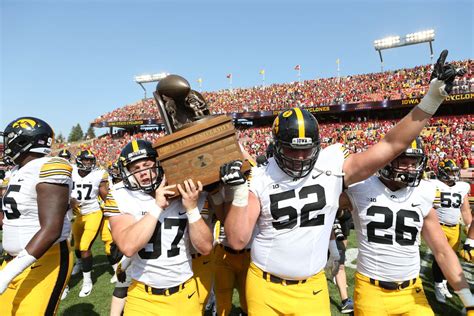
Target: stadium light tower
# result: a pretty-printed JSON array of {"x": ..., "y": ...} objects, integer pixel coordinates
[
  {"x": 141, "y": 79},
  {"x": 427, "y": 36}
]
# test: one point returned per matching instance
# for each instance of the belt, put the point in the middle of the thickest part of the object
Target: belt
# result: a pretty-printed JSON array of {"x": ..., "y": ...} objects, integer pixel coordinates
[
  {"x": 233, "y": 251},
  {"x": 393, "y": 285},
  {"x": 274, "y": 279},
  {"x": 166, "y": 292},
  {"x": 447, "y": 225},
  {"x": 195, "y": 255}
]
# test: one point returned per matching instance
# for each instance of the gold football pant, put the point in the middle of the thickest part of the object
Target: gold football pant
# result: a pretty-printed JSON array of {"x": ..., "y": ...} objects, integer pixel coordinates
[
  {"x": 453, "y": 234},
  {"x": 143, "y": 303},
  {"x": 230, "y": 271},
  {"x": 266, "y": 297},
  {"x": 38, "y": 289},
  {"x": 106, "y": 235},
  {"x": 203, "y": 270},
  {"x": 85, "y": 229},
  {"x": 370, "y": 299}
]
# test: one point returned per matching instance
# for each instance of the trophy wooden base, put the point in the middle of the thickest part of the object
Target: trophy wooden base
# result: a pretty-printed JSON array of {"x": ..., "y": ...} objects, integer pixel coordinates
[{"x": 197, "y": 151}]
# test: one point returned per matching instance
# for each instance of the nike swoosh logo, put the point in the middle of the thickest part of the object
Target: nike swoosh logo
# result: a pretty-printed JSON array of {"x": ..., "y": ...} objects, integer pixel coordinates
[
  {"x": 19, "y": 180},
  {"x": 181, "y": 213},
  {"x": 415, "y": 205},
  {"x": 34, "y": 267},
  {"x": 316, "y": 292},
  {"x": 191, "y": 295},
  {"x": 205, "y": 262}
]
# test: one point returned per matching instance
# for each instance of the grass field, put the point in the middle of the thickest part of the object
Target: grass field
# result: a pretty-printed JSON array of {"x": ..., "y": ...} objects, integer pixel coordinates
[{"x": 98, "y": 302}]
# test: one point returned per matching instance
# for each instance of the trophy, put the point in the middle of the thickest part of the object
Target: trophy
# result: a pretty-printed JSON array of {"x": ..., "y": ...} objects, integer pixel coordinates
[{"x": 197, "y": 143}]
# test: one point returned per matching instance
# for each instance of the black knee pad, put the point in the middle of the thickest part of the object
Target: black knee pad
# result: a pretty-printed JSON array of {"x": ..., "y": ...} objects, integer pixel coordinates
[{"x": 120, "y": 292}]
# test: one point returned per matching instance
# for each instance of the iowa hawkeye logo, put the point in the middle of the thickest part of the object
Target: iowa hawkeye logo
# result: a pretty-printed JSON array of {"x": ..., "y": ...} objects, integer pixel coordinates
[{"x": 25, "y": 123}]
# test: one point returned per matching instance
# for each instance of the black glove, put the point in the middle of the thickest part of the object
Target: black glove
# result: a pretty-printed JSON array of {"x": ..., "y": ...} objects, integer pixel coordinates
[
  {"x": 115, "y": 254},
  {"x": 446, "y": 72},
  {"x": 231, "y": 173}
]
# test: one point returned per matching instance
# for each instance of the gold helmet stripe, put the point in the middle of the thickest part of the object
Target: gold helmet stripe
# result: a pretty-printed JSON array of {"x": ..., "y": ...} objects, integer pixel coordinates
[
  {"x": 301, "y": 127},
  {"x": 134, "y": 145}
]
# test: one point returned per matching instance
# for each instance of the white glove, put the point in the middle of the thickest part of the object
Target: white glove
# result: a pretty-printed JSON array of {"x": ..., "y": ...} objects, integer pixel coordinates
[{"x": 14, "y": 268}]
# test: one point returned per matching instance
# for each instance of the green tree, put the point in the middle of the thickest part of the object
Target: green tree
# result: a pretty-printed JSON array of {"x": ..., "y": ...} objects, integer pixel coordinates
[
  {"x": 60, "y": 138},
  {"x": 76, "y": 134},
  {"x": 90, "y": 133}
]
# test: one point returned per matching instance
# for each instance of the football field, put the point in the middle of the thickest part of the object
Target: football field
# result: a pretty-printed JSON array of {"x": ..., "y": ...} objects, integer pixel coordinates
[{"x": 98, "y": 303}]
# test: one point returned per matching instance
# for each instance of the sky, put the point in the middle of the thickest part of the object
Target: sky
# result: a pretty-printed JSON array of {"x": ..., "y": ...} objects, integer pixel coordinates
[{"x": 69, "y": 61}]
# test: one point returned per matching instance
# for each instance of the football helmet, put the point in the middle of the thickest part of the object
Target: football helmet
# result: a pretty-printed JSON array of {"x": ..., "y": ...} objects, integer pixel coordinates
[
  {"x": 448, "y": 171},
  {"x": 296, "y": 142},
  {"x": 85, "y": 160},
  {"x": 134, "y": 151},
  {"x": 26, "y": 135},
  {"x": 66, "y": 154},
  {"x": 410, "y": 177},
  {"x": 114, "y": 172}
]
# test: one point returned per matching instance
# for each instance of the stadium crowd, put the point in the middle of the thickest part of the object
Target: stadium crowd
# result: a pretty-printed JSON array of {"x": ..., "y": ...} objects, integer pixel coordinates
[
  {"x": 396, "y": 84},
  {"x": 450, "y": 136}
]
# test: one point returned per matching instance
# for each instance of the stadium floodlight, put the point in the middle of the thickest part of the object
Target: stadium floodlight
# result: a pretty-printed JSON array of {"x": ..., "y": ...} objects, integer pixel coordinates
[
  {"x": 427, "y": 36},
  {"x": 141, "y": 79}
]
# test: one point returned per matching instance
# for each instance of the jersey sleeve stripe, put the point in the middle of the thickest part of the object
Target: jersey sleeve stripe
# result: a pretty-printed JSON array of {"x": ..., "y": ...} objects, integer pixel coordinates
[{"x": 51, "y": 174}]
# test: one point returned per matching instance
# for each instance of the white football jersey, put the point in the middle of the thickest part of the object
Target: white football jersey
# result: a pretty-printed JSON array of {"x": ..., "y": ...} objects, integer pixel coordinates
[
  {"x": 20, "y": 206},
  {"x": 388, "y": 225},
  {"x": 296, "y": 215},
  {"x": 86, "y": 189},
  {"x": 165, "y": 261},
  {"x": 448, "y": 201}
]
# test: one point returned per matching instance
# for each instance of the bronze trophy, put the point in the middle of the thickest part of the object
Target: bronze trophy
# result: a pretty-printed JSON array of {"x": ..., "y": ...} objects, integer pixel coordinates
[{"x": 197, "y": 143}]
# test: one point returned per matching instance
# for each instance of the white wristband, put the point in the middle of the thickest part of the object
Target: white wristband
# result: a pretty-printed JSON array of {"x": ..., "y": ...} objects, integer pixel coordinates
[
  {"x": 193, "y": 215},
  {"x": 241, "y": 195},
  {"x": 466, "y": 297},
  {"x": 434, "y": 97},
  {"x": 155, "y": 211},
  {"x": 469, "y": 242}
]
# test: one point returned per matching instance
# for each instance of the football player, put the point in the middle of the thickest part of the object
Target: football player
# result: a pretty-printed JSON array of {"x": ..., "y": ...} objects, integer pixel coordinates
[
  {"x": 35, "y": 229},
  {"x": 467, "y": 252},
  {"x": 66, "y": 154},
  {"x": 89, "y": 183},
  {"x": 155, "y": 232},
  {"x": 294, "y": 199},
  {"x": 390, "y": 211},
  {"x": 451, "y": 202}
]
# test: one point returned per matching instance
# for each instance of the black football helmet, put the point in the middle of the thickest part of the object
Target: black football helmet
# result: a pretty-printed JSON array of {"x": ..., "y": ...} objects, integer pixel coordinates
[
  {"x": 134, "y": 151},
  {"x": 64, "y": 153},
  {"x": 296, "y": 130},
  {"x": 86, "y": 161},
  {"x": 26, "y": 135},
  {"x": 410, "y": 178},
  {"x": 114, "y": 172},
  {"x": 448, "y": 171}
]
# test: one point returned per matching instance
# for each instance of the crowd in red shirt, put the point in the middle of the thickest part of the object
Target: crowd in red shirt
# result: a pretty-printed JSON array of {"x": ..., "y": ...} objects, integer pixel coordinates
[{"x": 396, "y": 84}]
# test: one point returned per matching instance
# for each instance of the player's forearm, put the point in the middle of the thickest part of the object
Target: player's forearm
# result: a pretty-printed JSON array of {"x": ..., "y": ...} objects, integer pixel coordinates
[
  {"x": 43, "y": 240},
  {"x": 134, "y": 237},
  {"x": 237, "y": 227},
  {"x": 452, "y": 270},
  {"x": 201, "y": 236},
  {"x": 466, "y": 213}
]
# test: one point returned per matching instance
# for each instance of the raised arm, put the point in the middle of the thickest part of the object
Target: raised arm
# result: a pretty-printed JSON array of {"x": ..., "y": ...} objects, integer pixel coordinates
[{"x": 360, "y": 166}]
